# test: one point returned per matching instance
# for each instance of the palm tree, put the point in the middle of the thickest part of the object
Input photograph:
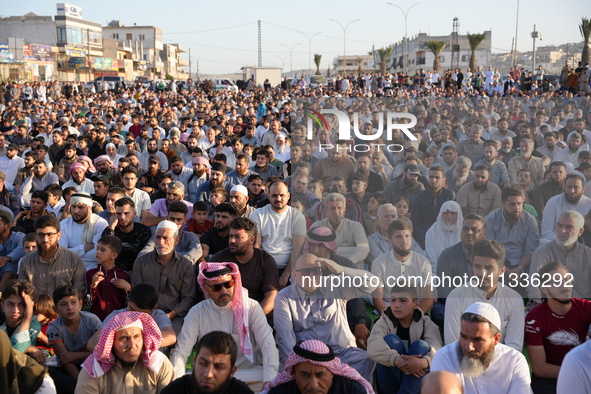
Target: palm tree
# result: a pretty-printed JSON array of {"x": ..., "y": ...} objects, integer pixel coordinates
[
  {"x": 317, "y": 59},
  {"x": 585, "y": 29},
  {"x": 436, "y": 47},
  {"x": 384, "y": 53},
  {"x": 474, "y": 40},
  {"x": 359, "y": 60}
]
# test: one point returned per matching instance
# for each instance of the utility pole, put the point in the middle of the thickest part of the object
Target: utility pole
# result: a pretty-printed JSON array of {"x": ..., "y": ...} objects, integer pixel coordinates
[
  {"x": 260, "y": 46},
  {"x": 534, "y": 34},
  {"x": 516, "y": 30},
  {"x": 197, "y": 69},
  {"x": 88, "y": 52},
  {"x": 190, "y": 69}
]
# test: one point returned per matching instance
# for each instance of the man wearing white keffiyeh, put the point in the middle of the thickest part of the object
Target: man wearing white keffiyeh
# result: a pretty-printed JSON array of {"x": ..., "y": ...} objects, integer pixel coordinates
[
  {"x": 228, "y": 308},
  {"x": 82, "y": 230}
]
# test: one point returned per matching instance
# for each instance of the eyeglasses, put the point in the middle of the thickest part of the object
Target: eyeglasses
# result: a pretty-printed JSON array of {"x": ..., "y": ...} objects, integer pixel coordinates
[
  {"x": 217, "y": 287},
  {"x": 310, "y": 271},
  {"x": 43, "y": 235}
]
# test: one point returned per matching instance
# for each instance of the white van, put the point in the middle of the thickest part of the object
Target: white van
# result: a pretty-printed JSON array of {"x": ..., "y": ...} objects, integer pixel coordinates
[{"x": 225, "y": 83}]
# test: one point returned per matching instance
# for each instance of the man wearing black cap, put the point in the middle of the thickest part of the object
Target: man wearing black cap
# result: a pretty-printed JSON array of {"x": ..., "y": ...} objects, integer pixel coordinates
[
  {"x": 217, "y": 178},
  {"x": 151, "y": 178},
  {"x": 10, "y": 164},
  {"x": 407, "y": 185}
]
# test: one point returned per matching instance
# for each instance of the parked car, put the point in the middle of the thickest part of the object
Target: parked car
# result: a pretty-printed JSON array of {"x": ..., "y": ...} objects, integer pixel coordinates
[{"x": 225, "y": 83}]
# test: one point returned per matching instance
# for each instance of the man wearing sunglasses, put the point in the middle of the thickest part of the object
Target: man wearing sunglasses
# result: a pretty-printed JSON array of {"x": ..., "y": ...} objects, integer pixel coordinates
[
  {"x": 228, "y": 308},
  {"x": 314, "y": 306}
]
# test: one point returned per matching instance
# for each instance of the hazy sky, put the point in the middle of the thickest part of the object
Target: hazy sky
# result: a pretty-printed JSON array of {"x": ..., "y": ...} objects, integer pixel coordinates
[{"x": 223, "y": 34}]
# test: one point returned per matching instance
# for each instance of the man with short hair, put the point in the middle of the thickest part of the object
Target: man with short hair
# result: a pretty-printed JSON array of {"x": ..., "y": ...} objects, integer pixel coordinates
[
  {"x": 256, "y": 194},
  {"x": 241, "y": 172},
  {"x": 553, "y": 187},
  {"x": 374, "y": 181},
  {"x": 11, "y": 164},
  {"x": 570, "y": 154},
  {"x": 515, "y": 229},
  {"x": 262, "y": 165},
  {"x": 126, "y": 354},
  {"x": 200, "y": 175},
  {"x": 427, "y": 204},
  {"x": 170, "y": 273},
  {"x": 313, "y": 367},
  {"x": 299, "y": 188},
  {"x": 571, "y": 199},
  {"x": 527, "y": 161},
  {"x": 217, "y": 178},
  {"x": 336, "y": 164},
  {"x": 188, "y": 244},
  {"x": 488, "y": 263},
  {"x": 565, "y": 249},
  {"x": 472, "y": 148},
  {"x": 152, "y": 152},
  {"x": 25, "y": 220},
  {"x": 258, "y": 268},
  {"x": 213, "y": 368},
  {"x": 351, "y": 239},
  {"x": 498, "y": 170},
  {"x": 159, "y": 210},
  {"x": 178, "y": 169},
  {"x": 402, "y": 261},
  {"x": 101, "y": 189},
  {"x": 478, "y": 359},
  {"x": 479, "y": 197},
  {"x": 281, "y": 230},
  {"x": 305, "y": 310},
  {"x": 40, "y": 178},
  {"x": 51, "y": 265},
  {"x": 217, "y": 239},
  {"x": 12, "y": 251},
  {"x": 227, "y": 306},
  {"x": 129, "y": 176},
  {"x": 82, "y": 230}
]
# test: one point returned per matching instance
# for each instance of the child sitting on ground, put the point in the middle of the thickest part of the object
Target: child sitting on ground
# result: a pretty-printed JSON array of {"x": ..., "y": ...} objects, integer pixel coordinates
[{"x": 199, "y": 222}]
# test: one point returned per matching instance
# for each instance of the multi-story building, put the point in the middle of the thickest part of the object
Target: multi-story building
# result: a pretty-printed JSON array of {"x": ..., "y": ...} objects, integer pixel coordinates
[{"x": 353, "y": 64}]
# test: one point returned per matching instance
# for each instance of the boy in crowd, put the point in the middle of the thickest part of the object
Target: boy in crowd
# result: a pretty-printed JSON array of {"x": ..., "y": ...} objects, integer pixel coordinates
[
  {"x": 68, "y": 335},
  {"x": 29, "y": 243},
  {"x": 199, "y": 222},
  {"x": 403, "y": 343},
  {"x": 107, "y": 285},
  {"x": 55, "y": 202}
]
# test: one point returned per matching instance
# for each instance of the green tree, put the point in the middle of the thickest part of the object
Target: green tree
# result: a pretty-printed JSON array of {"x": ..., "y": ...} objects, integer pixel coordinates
[
  {"x": 436, "y": 47},
  {"x": 585, "y": 29},
  {"x": 474, "y": 41},
  {"x": 359, "y": 64},
  {"x": 317, "y": 60},
  {"x": 384, "y": 53}
]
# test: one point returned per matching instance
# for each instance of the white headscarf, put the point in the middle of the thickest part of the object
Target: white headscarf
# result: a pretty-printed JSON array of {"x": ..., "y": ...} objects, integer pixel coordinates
[{"x": 438, "y": 238}]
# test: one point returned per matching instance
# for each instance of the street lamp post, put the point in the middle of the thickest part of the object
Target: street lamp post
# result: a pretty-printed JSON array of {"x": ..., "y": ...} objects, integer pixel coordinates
[
  {"x": 344, "y": 43},
  {"x": 282, "y": 61},
  {"x": 405, "y": 32},
  {"x": 291, "y": 57},
  {"x": 309, "y": 47}
]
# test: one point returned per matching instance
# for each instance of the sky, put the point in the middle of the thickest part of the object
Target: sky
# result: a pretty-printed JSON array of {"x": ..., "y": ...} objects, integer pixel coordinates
[{"x": 223, "y": 35}]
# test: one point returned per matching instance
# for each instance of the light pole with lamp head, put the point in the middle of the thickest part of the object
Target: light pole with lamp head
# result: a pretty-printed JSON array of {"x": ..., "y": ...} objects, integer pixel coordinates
[
  {"x": 344, "y": 43},
  {"x": 405, "y": 33},
  {"x": 291, "y": 57},
  {"x": 309, "y": 37}
]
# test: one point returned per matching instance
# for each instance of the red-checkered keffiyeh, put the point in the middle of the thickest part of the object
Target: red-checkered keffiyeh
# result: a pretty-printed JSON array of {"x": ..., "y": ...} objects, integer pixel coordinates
[
  {"x": 76, "y": 166},
  {"x": 239, "y": 301},
  {"x": 333, "y": 364},
  {"x": 104, "y": 158},
  {"x": 321, "y": 235},
  {"x": 102, "y": 359}
]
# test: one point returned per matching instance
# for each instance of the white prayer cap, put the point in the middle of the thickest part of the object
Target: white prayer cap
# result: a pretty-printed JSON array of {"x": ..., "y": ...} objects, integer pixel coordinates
[
  {"x": 137, "y": 323},
  {"x": 240, "y": 189},
  {"x": 169, "y": 225},
  {"x": 487, "y": 311}
]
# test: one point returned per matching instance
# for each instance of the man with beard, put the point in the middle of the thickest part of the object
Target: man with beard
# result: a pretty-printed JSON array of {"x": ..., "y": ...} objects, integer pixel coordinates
[
  {"x": 98, "y": 146},
  {"x": 24, "y": 172},
  {"x": 460, "y": 174},
  {"x": 553, "y": 187},
  {"x": 375, "y": 182},
  {"x": 101, "y": 190},
  {"x": 159, "y": 210},
  {"x": 129, "y": 176},
  {"x": 472, "y": 148},
  {"x": 564, "y": 248},
  {"x": 151, "y": 178},
  {"x": 82, "y": 230},
  {"x": 445, "y": 232},
  {"x": 217, "y": 178},
  {"x": 498, "y": 170},
  {"x": 51, "y": 265},
  {"x": 281, "y": 230},
  {"x": 104, "y": 166},
  {"x": 447, "y": 158},
  {"x": 515, "y": 229},
  {"x": 122, "y": 224},
  {"x": 213, "y": 368},
  {"x": 229, "y": 307},
  {"x": 479, "y": 197},
  {"x": 78, "y": 179},
  {"x": 152, "y": 150},
  {"x": 258, "y": 268},
  {"x": 217, "y": 238},
  {"x": 402, "y": 261},
  {"x": 527, "y": 161},
  {"x": 299, "y": 188},
  {"x": 550, "y": 149},
  {"x": 407, "y": 185},
  {"x": 241, "y": 172},
  {"x": 502, "y": 131},
  {"x": 69, "y": 158},
  {"x": 200, "y": 175},
  {"x": 127, "y": 354},
  {"x": 188, "y": 244},
  {"x": 262, "y": 165},
  {"x": 38, "y": 180},
  {"x": 25, "y": 220},
  {"x": 336, "y": 164},
  {"x": 239, "y": 197},
  {"x": 426, "y": 205},
  {"x": 571, "y": 199},
  {"x": 178, "y": 169},
  {"x": 482, "y": 364},
  {"x": 554, "y": 327},
  {"x": 488, "y": 263},
  {"x": 570, "y": 154},
  {"x": 169, "y": 272}
]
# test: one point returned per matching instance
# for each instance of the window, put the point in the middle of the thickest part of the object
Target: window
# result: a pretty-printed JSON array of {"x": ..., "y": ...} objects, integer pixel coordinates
[
  {"x": 116, "y": 36},
  {"x": 420, "y": 58},
  {"x": 61, "y": 34},
  {"x": 129, "y": 37},
  {"x": 142, "y": 37},
  {"x": 442, "y": 59},
  {"x": 465, "y": 58}
]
